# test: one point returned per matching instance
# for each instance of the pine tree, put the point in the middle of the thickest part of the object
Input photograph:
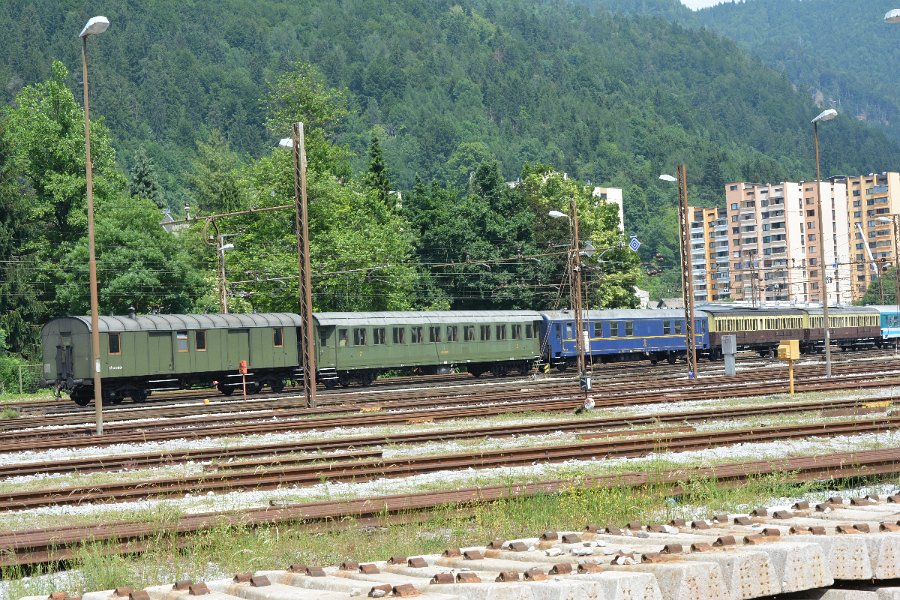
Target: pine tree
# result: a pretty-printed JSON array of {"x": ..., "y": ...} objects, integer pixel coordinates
[
  {"x": 144, "y": 183},
  {"x": 378, "y": 176}
]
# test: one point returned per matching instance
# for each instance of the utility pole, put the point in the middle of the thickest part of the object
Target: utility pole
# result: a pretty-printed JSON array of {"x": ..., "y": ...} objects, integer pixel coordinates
[
  {"x": 307, "y": 348},
  {"x": 826, "y": 115},
  {"x": 687, "y": 279},
  {"x": 577, "y": 306}
]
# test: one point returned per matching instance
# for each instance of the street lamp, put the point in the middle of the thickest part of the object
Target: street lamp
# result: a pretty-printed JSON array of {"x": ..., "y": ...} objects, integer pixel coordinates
[
  {"x": 825, "y": 115},
  {"x": 892, "y": 16},
  {"x": 687, "y": 283},
  {"x": 574, "y": 263},
  {"x": 223, "y": 283},
  {"x": 301, "y": 218},
  {"x": 94, "y": 26}
]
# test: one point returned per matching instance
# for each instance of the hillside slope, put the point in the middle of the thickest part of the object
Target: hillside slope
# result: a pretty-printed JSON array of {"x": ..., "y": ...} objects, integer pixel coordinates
[{"x": 613, "y": 99}]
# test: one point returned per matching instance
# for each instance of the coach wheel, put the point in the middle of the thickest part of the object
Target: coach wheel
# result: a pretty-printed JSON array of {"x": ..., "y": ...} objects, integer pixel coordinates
[
  {"x": 226, "y": 390},
  {"x": 81, "y": 399},
  {"x": 254, "y": 387},
  {"x": 499, "y": 370},
  {"x": 525, "y": 369},
  {"x": 139, "y": 395},
  {"x": 276, "y": 385},
  {"x": 476, "y": 373},
  {"x": 561, "y": 367},
  {"x": 366, "y": 379},
  {"x": 330, "y": 384},
  {"x": 671, "y": 358}
]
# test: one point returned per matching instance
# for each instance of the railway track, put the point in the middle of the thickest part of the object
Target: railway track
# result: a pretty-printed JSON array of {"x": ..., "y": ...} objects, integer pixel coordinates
[
  {"x": 308, "y": 471},
  {"x": 608, "y": 426},
  {"x": 294, "y": 420},
  {"x": 61, "y": 543}
]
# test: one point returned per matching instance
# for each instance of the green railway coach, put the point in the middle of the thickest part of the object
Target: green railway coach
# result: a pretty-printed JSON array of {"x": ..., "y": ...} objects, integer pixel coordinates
[
  {"x": 356, "y": 347},
  {"x": 140, "y": 354}
]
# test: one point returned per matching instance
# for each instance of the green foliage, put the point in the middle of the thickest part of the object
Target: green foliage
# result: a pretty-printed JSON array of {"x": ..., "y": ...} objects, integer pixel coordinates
[
  {"x": 144, "y": 183},
  {"x": 881, "y": 291},
  {"x": 215, "y": 176},
  {"x": 378, "y": 176}
]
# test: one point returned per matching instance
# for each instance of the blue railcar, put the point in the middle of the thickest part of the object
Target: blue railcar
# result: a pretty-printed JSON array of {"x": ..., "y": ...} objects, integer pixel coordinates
[
  {"x": 889, "y": 321},
  {"x": 620, "y": 334}
]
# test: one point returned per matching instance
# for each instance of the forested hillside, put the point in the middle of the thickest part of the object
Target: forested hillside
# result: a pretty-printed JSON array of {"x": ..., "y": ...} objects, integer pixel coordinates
[{"x": 444, "y": 101}]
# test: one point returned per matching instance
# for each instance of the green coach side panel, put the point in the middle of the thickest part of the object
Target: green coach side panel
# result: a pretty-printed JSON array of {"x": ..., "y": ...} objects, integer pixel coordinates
[
  {"x": 146, "y": 345},
  {"x": 409, "y": 339}
]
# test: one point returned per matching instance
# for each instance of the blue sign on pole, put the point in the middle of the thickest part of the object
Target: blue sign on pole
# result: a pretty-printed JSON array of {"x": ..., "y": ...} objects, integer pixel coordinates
[{"x": 634, "y": 244}]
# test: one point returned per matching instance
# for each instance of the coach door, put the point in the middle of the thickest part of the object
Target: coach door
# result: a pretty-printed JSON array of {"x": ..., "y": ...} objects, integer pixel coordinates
[
  {"x": 64, "y": 368},
  {"x": 160, "y": 352},
  {"x": 238, "y": 348}
]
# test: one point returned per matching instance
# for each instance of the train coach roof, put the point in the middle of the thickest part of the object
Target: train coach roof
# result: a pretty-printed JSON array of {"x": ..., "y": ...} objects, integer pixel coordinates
[
  {"x": 346, "y": 319},
  {"x": 182, "y": 322},
  {"x": 622, "y": 313},
  {"x": 745, "y": 311},
  {"x": 844, "y": 310}
]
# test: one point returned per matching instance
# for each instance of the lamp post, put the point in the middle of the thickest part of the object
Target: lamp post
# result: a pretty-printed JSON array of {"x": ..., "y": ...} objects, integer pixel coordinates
[
  {"x": 574, "y": 263},
  {"x": 94, "y": 26},
  {"x": 825, "y": 115},
  {"x": 895, "y": 221},
  {"x": 301, "y": 217},
  {"x": 223, "y": 282},
  {"x": 687, "y": 283}
]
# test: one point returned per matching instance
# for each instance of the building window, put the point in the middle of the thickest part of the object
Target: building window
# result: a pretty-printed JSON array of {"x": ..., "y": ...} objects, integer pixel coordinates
[
  {"x": 399, "y": 335},
  {"x": 378, "y": 335},
  {"x": 115, "y": 346},
  {"x": 200, "y": 340},
  {"x": 359, "y": 337},
  {"x": 181, "y": 341}
]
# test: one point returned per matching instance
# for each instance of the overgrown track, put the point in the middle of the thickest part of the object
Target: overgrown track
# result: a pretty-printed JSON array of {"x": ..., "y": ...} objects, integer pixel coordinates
[
  {"x": 608, "y": 426},
  {"x": 61, "y": 543},
  {"x": 345, "y": 470}
]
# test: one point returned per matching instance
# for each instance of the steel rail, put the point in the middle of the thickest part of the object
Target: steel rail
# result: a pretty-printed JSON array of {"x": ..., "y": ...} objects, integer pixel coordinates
[
  {"x": 62, "y": 543},
  {"x": 363, "y": 470}
]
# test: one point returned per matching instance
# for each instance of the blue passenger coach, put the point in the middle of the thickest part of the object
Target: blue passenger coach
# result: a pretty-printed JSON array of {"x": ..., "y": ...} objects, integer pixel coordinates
[
  {"x": 617, "y": 335},
  {"x": 889, "y": 321}
]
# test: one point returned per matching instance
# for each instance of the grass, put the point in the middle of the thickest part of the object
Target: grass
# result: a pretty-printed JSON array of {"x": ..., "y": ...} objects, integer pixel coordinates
[
  {"x": 224, "y": 550},
  {"x": 8, "y": 413}
]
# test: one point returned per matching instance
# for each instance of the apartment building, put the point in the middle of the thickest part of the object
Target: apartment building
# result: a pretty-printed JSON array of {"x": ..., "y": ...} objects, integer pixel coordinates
[
  {"x": 709, "y": 254},
  {"x": 773, "y": 244},
  {"x": 871, "y": 198}
]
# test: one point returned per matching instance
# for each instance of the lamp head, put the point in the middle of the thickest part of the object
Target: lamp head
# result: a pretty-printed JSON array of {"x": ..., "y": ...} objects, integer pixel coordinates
[
  {"x": 94, "y": 26},
  {"x": 228, "y": 247},
  {"x": 286, "y": 142},
  {"x": 667, "y": 177},
  {"x": 892, "y": 16},
  {"x": 557, "y": 215},
  {"x": 826, "y": 115}
]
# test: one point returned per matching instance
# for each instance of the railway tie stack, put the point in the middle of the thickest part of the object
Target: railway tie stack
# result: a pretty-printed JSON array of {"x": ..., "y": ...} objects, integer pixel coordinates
[{"x": 838, "y": 550}]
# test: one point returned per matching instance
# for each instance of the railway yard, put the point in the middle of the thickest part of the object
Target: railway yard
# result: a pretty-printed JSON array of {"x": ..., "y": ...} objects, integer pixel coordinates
[{"x": 449, "y": 486}]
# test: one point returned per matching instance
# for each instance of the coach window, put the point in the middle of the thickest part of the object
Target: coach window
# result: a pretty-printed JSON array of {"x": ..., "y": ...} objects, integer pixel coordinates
[
  {"x": 434, "y": 334},
  {"x": 399, "y": 335},
  {"x": 323, "y": 337},
  {"x": 613, "y": 329},
  {"x": 469, "y": 333},
  {"x": 114, "y": 344},
  {"x": 667, "y": 327},
  {"x": 378, "y": 336},
  {"x": 485, "y": 333},
  {"x": 517, "y": 332},
  {"x": 181, "y": 341},
  {"x": 501, "y": 332},
  {"x": 570, "y": 330},
  {"x": 416, "y": 335},
  {"x": 679, "y": 325},
  {"x": 359, "y": 336},
  {"x": 529, "y": 331},
  {"x": 558, "y": 328},
  {"x": 342, "y": 338},
  {"x": 279, "y": 337},
  {"x": 200, "y": 340},
  {"x": 629, "y": 327},
  {"x": 451, "y": 333}
]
